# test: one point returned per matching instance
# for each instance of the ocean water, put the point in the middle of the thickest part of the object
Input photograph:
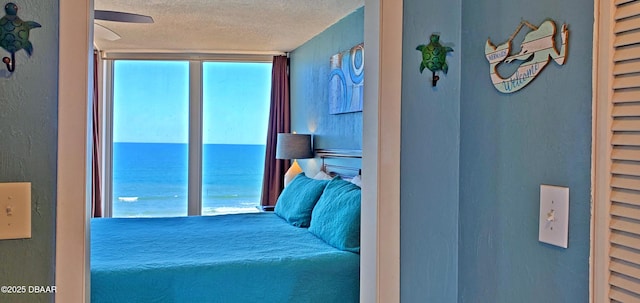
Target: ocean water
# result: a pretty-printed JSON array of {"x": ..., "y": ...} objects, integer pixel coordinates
[{"x": 150, "y": 179}]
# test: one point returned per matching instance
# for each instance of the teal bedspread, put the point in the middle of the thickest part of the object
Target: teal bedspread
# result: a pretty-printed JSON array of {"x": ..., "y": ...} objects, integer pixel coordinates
[{"x": 231, "y": 258}]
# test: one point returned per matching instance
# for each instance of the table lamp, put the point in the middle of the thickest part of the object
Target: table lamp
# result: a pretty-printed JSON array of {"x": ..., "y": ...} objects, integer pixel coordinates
[{"x": 293, "y": 146}]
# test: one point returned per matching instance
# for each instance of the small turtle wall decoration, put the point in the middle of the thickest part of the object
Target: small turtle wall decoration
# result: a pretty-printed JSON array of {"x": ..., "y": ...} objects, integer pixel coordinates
[
  {"x": 434, "y": 57},
  {"x": 14, "y": 34}
]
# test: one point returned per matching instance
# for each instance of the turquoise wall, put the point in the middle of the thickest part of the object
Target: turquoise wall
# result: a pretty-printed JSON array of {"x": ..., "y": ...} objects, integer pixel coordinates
[
  {"x": 512, "y": 143},
  {"x": 28, "y": 145},
  {"x": 473, "y": 159},
  {"x": 310, "y": 85},
  {"x": 430, "y": 150}
]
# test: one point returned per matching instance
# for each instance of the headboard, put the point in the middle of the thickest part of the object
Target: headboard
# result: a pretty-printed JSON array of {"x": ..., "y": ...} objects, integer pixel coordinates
[{"x": 346, "y": 163}]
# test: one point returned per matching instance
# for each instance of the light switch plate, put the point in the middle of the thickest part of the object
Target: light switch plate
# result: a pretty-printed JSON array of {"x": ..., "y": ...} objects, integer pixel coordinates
[
  {"x": 554, "y": 215},
  {"x": 15, "y": 210}
]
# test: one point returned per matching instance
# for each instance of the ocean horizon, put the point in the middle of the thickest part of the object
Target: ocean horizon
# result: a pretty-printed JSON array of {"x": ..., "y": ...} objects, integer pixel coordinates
[{"x": 150, "y": 179}]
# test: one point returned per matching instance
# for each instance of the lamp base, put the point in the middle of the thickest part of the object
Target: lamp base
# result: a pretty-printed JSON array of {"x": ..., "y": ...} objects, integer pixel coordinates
[{"x": 293, "y": 171}]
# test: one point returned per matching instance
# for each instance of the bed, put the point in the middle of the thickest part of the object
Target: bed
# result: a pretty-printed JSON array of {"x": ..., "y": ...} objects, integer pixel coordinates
[{"x": 256, "y": 257}]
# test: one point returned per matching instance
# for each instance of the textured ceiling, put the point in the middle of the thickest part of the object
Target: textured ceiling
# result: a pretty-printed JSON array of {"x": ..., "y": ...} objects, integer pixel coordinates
[{"x": 221, "y": 26}]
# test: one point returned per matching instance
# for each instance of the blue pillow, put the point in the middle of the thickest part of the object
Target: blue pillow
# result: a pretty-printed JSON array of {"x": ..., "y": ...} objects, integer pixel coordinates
[
  {"x": 336, "y": 217},
  {"x": 297, "y": 200}
]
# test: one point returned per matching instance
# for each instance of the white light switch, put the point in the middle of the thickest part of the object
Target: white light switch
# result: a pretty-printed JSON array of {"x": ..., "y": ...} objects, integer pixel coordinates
[
  {"x": 554, "y": 215},
  {"x": 15, "y": 210}
]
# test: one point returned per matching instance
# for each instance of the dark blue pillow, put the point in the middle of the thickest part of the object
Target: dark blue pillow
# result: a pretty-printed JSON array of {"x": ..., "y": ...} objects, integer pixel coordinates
[
  {"x": 336, "y": 217},
  {"x": 297, "y": 200}
]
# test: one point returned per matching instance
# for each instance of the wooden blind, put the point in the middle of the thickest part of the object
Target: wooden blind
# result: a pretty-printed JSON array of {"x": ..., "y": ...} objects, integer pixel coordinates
[{"x": 624, "y": 228}]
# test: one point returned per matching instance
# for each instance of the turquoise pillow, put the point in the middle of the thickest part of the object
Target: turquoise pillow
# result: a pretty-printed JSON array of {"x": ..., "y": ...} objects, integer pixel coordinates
[
  {"x": 336, "y": 217},
  {"x": 297, "y": 200}
]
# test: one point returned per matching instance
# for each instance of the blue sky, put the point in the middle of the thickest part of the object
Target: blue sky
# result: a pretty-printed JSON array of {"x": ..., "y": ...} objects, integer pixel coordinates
[{"x": 151, "y": 102}]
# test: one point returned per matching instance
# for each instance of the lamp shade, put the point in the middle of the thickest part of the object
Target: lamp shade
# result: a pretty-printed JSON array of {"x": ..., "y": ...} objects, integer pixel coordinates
[{"x": 293, "y": 146}]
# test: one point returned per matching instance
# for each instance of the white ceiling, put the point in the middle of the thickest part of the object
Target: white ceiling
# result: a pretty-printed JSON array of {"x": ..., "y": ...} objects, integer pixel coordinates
[{"x": 222, "y": 26}]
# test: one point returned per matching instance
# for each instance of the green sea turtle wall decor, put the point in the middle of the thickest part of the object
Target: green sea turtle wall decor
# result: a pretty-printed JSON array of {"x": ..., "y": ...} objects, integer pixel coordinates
[
  {"x": 14, "y": 34},
  {"x": 434, "y": 57}
]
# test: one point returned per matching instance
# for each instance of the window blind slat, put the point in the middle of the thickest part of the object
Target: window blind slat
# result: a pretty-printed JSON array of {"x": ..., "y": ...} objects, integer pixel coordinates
[
  {"x": 628, "y": 67},
  {"x": 625, "y": 182},
  {"x": 631, "y": 95},
  {"x": 623, "y": 224},
  {"x": 626, "y": 211},
  {"x": 620, "y": 295},
  {"x": 627, "y": 240},
  {"x": 627, "y": 39},
  {"x": 620, "y": 2},
  {"x": 631, "y": 139},
  {"x": 625, "y": 196},
  {"x": 626, "y": 283},
  {"x": 625, "y": 268},
  {"x": 631, "y": 110},
  {"x": 625, "y": 25},
  {"x": 627, "y": 10},
  {"x": 626, "y": 168},
  {"x": 627, "y": 53},
  {"x": 631, "y": 125},
  {"x": 627, "y": 82},
  {"x": 625, "y": 254}
]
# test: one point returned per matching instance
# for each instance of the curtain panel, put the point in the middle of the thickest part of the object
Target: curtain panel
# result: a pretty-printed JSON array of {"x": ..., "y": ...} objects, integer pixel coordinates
[
  {"x": 279, "y": 122},
  {"x": 96, "y": 201}
]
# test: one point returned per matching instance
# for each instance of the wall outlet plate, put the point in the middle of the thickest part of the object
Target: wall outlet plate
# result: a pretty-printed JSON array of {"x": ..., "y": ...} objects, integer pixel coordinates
[
  {"x": 554, "y": 215},
  {"x": 15, "y": 210}
]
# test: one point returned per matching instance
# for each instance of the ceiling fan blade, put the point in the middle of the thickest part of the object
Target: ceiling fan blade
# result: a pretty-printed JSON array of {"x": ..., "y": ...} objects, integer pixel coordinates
[
  {"x": 121, "y": 17},
  {"x": 101, "y": 32}
]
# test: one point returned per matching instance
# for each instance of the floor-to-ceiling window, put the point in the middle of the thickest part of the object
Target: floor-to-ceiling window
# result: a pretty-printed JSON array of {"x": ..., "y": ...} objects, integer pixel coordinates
[
  {"x": 235, "y": 114},
  {"x": 151, "y": 134}
]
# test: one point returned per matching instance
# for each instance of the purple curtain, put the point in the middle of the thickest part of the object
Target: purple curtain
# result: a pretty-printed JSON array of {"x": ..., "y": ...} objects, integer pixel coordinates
[
  {"x": 96, "y": 202},
  {"x": 279, "y": 122}
]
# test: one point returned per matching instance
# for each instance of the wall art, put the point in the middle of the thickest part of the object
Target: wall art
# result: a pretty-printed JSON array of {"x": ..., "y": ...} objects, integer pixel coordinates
[
  {"x": 537, "y": 48},
  {"x": 14, "y": 34},
  {"x": 346, "y": 81},
  {"x": 434, "y": 57}
]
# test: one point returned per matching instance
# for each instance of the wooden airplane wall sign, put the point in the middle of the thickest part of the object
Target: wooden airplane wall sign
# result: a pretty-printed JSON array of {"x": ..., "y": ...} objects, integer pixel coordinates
[{"x": 537, "y": 48}]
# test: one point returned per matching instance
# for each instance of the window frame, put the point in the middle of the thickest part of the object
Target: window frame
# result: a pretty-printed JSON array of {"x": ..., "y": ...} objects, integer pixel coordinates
[{"x": 196, "y": 89}]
